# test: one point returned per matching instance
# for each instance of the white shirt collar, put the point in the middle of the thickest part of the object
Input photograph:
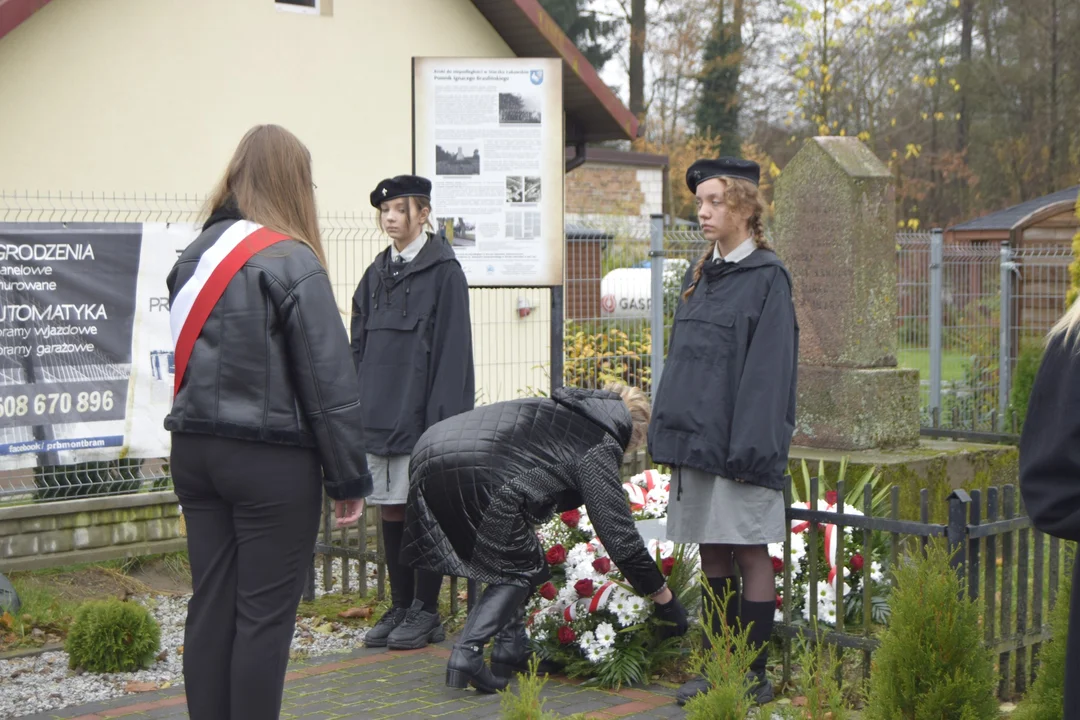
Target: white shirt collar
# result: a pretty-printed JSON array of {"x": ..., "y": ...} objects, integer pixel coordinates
[
  {"x": 738, "y": 254},
  {"x": 411, "y": 250}
]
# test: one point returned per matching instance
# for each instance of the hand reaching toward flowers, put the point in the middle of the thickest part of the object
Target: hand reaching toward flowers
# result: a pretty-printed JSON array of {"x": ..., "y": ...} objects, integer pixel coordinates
[{"x": 673, "y": 612}]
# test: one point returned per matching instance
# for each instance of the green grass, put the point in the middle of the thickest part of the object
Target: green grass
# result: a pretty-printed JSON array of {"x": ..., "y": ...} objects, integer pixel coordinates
[
  {"x": 42, "y": 609},
  {"x": 952, "y": 363}
]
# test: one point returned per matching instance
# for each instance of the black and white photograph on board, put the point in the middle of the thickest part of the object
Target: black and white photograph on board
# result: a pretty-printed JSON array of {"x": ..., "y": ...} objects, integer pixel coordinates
[
  {"x": 457, "y": 158},
  {"x": 519, "y": 109}
]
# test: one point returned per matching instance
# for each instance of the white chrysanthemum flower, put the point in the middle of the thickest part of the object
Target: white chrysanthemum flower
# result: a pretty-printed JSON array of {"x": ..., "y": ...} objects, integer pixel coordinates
[
  {"x": 877, "y": 573},
  {"x": 605, "y": 635},
  {"x": 566, "y": 596}
]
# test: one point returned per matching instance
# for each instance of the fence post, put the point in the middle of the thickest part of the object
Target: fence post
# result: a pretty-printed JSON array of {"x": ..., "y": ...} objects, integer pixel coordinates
[
  {"x": 956, "y": 533},
  {"x": 937, "y": 256},
  {"x": 656, "y": 264},
  {"x": 1004, "y": 336}
]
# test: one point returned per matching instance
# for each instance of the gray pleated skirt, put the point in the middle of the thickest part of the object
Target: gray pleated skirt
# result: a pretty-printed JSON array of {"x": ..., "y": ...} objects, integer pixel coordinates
[{"x": 706, "y": 508}]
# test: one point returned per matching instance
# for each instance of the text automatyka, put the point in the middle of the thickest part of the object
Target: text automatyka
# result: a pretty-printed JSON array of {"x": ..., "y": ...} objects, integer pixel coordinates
[{"x": 51, "y": 313}]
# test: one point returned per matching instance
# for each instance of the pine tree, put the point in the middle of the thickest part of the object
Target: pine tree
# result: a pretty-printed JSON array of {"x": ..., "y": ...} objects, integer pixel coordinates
[
  {"x": 718, "y": 106},
  {"x": 592, "y": 36}
]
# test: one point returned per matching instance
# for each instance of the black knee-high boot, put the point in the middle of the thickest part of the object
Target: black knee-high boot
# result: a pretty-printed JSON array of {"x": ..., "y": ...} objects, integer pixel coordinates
[{"x": 495, "y": 609}]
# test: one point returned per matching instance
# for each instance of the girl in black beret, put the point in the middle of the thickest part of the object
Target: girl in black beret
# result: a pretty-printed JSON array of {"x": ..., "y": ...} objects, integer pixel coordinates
[
  {"x": 412, "y": 347},
  {"x": 724, "y": 411}
]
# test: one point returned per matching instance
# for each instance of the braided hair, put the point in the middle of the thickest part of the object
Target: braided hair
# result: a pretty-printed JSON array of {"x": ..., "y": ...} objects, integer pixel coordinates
[{"x": 739, "y": 195}]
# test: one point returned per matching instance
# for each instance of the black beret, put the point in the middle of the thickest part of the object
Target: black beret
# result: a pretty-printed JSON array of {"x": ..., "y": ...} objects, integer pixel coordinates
[
  {"x": 400, "y": 186},
  {"x": 703, "y": 170}
]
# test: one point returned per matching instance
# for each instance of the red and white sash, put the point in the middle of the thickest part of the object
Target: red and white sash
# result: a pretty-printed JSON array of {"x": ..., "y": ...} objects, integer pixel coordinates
[{"x": 217, "y": 266}]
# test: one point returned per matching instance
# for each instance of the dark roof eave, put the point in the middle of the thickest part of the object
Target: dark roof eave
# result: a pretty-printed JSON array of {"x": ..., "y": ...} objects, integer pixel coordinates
[
  {"x": 595, "y": 112},
  {"x": 1022, "y": 214}
]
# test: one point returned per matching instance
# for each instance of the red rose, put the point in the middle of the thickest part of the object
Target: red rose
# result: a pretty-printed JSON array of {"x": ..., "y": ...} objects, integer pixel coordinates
[
  {"x": 548, "y": 591},
  {"x": 830, "y": 497},
  {"x": 556, "y": 555},
  {"x": 667, "y": 565},
  {"x": 584, "y": 588},
  {"x": 779, "y": 602},
  {"x": 857, "y": 562},
  {"x": 567, "y": 635},
  {"x": 777, "y": 565},
  {"x": 602, "y": 565},
  {"x": 571, "y": 517}
]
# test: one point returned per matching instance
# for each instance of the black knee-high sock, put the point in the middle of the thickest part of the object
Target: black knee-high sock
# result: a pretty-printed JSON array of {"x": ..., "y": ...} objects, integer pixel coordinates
[
  {"x": 402, "y": 585},
  {"x": 720, "y": 587},
  {"x": 761, "y": 614},
  {"x": 428, "y": 585}
]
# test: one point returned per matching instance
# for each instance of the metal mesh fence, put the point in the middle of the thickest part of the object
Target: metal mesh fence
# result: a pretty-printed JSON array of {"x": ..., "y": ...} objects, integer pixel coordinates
[
  {"x": 510, "y": 327},
  {"x": 610, "y": 295},
  {"x": 983, "y": 287}
]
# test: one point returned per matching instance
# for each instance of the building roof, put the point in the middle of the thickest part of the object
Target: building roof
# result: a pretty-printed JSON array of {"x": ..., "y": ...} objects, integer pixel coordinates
[
  {"x": 593, "y": 112},
  {"x": 1018, "y": 215},
  {"x": 611, "y": 156}
]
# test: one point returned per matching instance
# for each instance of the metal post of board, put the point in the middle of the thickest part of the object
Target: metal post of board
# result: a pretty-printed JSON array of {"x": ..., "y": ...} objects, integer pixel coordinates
[
  {"x": 1004, "y": 336},
  {"x": 556, "y": 337},
  {"x": 656, "y": 264},
  {"x": 937, "y": 257}
]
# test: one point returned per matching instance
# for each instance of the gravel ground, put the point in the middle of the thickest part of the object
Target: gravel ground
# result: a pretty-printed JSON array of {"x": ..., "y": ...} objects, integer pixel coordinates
[{"x": 36, "y": 684}]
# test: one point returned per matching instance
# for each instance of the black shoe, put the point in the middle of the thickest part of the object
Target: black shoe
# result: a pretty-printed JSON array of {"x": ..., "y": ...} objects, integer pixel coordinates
[
  {"x": 419, "y": 629},
  {"x": 494, "y": 610},
  {"x": 691, "y": 689},
  {"x": 376, "y": 636},
  {"x": 761, "y": 690}
]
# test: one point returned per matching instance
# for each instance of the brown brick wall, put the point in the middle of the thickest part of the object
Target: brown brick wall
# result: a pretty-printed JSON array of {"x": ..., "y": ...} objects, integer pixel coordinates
[{"x": 604, "y": 190}]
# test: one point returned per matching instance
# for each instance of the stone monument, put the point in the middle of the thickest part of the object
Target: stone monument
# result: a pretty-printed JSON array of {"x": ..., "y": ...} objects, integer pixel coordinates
[{"x": 835, "y": 230}]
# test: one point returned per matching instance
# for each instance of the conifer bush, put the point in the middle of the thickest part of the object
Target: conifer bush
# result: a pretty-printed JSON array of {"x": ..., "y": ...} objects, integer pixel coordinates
[
  {"x": 932, "y": 662},
  {"x": 819, "y": 664},
  {"x": 111, "y": 636},
  {"x": 1044, "y": 700}
]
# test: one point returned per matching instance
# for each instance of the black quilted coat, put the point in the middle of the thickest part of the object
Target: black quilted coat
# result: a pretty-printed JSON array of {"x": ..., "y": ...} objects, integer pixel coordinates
[{"x": 481, "y": 481}]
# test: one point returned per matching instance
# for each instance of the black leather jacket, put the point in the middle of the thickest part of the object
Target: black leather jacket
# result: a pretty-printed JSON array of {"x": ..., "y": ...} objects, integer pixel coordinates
[
  {"x": 272, "y": 363},
  {"x": 481, "y": 480}
]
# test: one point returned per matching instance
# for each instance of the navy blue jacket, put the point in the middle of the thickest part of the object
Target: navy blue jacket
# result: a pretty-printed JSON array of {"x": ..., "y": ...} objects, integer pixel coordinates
[
  {"x": 412, "y": 346},
  {"x": 726, "y": 400}
]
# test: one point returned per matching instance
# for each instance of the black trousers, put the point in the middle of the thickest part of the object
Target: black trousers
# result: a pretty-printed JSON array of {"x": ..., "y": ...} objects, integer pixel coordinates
[{"x": 252, "y": 512}]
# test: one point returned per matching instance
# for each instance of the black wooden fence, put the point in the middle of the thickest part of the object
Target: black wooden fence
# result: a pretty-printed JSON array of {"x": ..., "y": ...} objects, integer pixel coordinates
[
  {"x": 1005, "y": 565},
  {"x": 1014, "y": 569}
]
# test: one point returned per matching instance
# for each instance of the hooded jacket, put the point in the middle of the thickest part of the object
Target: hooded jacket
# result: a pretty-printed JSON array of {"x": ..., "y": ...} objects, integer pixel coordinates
[
  {"x": 726, "y": 399},
  {"x": 482, "y": 481},
  {"x": 412, "y": 346},
  {"x": 272, "y": 362}
]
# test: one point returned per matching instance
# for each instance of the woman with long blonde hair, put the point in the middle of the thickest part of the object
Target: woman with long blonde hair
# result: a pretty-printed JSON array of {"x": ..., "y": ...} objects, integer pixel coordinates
[
  {"x": 266, "y": 414},
  {"x": 724, "y": 412},
  {"x": 1050, "y": 466}
]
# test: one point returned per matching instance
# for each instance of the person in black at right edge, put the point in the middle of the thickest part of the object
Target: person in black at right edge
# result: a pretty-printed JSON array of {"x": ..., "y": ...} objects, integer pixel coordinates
[
  {"x": 724, "y": 412},
  {"x": 412, "y": 346},
  {"x": 1050, "y": 467}
]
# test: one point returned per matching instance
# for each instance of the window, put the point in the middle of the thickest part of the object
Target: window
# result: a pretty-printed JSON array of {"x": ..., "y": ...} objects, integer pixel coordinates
[{"x": 308, "y": 7}]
